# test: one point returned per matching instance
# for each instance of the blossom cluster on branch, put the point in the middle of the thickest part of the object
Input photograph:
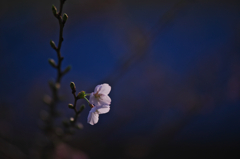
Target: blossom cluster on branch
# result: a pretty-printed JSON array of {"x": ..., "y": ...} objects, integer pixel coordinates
[{"x": 99, "y": 101}]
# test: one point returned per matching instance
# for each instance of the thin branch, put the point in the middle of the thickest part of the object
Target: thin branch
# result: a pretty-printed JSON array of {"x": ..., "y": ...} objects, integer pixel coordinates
[
  {"x": 75, "y": 108},
  {"x": 60, "y": 40},
  {"x": 55, "y": 86}
]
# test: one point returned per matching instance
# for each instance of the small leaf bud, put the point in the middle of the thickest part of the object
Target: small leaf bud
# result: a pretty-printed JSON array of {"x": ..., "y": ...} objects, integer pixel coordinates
[
  {"x": 73, "y": 87},
  {"x": 65, "y": 17},
  {"x": 67, "y": 69},
  {"x": 54, "y": 85},
  {"x": 79, "y": 126},
  {"x": 81, "y": 108},
  {"x": 52, "y": 43},
  {"x": 47, "y": 99},
  {"x": 81, "y": 95},
  {"x": 52, "y": 63},
  {"x": 54, "y": 10},
  {"x": 57, "y": 85},
  {"x": 70, "y": 106}
]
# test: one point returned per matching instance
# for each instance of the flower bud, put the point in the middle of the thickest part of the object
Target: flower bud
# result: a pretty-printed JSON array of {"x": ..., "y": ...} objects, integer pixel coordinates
[
  {"x": 65, "y": 17},
  {"x": 52, "y": 43},
  {"x": 54, "y": 85},
  {"x": 54, "y": 10},
  {"x": 81, "y": 95},
  {"x": 81, "y": 108},
  {"x": 70, "y": 106},
  {"x": 67, "y": 69},
  {"x": 73, "y": 87},
  {"x": 72, "y": 119},
  {"x": 47, "y": 99},
  {"x": 57, "y": 85},
  {"x": 52, "y": 63}
]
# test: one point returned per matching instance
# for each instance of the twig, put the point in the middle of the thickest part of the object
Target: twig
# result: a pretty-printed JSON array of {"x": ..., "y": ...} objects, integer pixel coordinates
[
  {"x": 55, "y": 86},
  {"x": 74, "y": 106}
]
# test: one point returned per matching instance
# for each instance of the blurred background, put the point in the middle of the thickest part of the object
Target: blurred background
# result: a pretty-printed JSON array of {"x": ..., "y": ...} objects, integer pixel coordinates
[{"x": 174, "y": 68}]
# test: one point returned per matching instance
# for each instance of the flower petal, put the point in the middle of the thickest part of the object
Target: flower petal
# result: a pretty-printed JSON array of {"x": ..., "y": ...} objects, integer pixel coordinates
[
  {"x": 105, "y": 89},
  {"x": 97, "y": 88},
  {"x": 93, "y": 117},
  {"x": 92, "y": 99},
  {"x": 104, "y": 100},
  {"x": 103, "y": 109}
]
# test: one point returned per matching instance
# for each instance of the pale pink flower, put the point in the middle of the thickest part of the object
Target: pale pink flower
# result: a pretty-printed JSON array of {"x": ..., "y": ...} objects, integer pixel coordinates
[
  {"x": 100, "y": 95},
  {"x": 101, "y": 101},
  {"x": 93, "y": 115}
]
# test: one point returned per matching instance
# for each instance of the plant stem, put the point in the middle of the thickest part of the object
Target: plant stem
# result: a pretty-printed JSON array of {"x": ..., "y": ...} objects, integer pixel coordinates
[{"x": 55, "y": 88}]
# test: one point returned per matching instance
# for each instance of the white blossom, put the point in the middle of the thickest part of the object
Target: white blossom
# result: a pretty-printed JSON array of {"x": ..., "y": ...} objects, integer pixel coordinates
[
  {"x": 93, "y": 115},
  {"x": 101, "y": 101},
  {"x": 100, "y": 95}
]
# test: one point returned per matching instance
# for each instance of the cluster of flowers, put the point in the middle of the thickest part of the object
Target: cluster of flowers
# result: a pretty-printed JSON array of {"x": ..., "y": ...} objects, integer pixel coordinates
[{"x": 100, "y": 102}]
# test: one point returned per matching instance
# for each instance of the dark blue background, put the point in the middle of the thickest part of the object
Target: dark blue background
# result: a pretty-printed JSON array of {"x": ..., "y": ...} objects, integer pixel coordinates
[{"x": 173, "y": 67}]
